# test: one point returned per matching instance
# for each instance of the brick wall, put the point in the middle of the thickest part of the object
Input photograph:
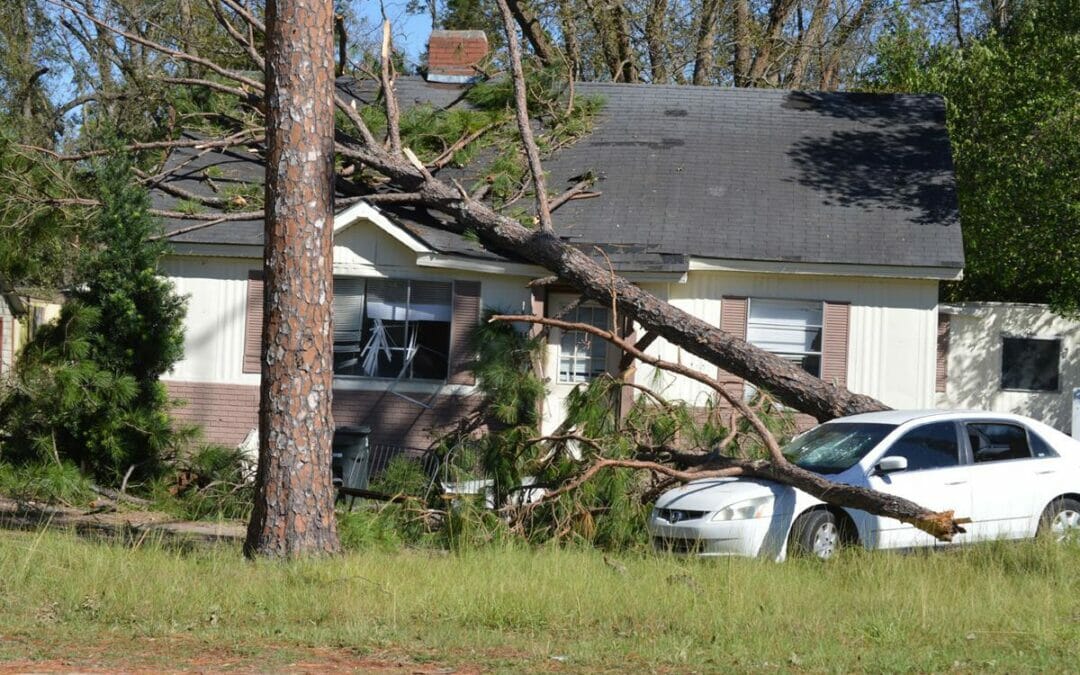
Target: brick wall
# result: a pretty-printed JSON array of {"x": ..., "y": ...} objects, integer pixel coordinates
[
  {"x": 227, "y": 412},
  {"x": 455, "y": 52}
]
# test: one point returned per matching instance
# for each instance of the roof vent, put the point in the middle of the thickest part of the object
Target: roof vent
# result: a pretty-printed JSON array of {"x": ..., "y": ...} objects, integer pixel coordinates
[{"x": 453, "y": 55}]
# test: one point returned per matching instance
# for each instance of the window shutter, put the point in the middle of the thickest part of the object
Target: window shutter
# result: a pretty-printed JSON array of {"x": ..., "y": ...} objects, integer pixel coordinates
[
  {"x": 733, "y": 322},
  {"x": 942, "y": 376},
  {"x": 348, "y": 308},
  {"x": 834, "y": 351},
  {"x": 466, "y": 317},
  {"x": 253, "y": 323}
]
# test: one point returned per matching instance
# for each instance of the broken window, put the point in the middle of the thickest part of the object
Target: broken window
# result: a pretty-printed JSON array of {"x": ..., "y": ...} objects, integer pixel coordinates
[{"x": 389, "y": 328}]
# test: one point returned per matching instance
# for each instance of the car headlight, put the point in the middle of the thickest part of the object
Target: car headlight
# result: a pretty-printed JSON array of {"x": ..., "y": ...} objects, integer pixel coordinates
[{"x": 758, "y": 507}]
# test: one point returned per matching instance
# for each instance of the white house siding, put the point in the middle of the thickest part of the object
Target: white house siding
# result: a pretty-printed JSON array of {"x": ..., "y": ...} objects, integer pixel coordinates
[
  {"x": 7, "y": 338},
  {"x": 974, "y": 360},
  {"x": 892, "y": 337}
]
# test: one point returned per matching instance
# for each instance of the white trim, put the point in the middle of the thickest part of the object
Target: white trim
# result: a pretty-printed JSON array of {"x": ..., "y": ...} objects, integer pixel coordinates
[
  {"x": 216, "y": 250},
  {"x": 450, "y": 262},
  {"x": 358, "y": 383},
  {"x": 825, "y": 269},
  {"x": 363, "y": 210}
]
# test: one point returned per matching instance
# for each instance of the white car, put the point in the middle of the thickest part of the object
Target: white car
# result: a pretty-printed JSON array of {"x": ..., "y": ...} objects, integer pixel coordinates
[{"x": 1013, "y": 476}]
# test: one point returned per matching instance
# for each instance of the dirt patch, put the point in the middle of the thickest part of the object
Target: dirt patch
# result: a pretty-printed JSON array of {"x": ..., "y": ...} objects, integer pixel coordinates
[{"x": 111, "y": 522}]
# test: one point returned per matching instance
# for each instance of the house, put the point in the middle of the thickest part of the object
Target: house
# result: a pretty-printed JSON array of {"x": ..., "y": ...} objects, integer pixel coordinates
[
  {"x": 815, "y": 225},
  {"x": 1010, "y": 357},
  {"x": 22, "y": 311}
]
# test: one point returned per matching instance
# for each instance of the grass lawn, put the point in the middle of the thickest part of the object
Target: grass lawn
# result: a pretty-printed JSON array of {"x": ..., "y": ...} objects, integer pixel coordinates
[{"x": 73, "y": 604}]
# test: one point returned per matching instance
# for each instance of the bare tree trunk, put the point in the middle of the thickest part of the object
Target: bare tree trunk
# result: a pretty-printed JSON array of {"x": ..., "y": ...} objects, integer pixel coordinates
[
  {"x": 569, "y": 33},
  {"x": 764, "y": 59},
  {"x": 741, "y": 64},
  {"x": 830, "y": 72},
  {"x": 294, "y": 504},
  {"x": 532, "y": 30},
  {"x": 628, "y": 70},
  {"x": 807, "y": 41},
  {"x": 706, "y": 42},
  {"x": 656, "y": 40}
]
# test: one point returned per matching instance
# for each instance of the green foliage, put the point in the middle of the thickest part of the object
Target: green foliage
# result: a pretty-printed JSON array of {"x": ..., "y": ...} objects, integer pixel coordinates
[
  {"x": 1013, "y": 115},
  {"x": 86, "y": 388},
  {"x": 365, "y": 529},
  {"x": 45, "y": 482},
  {"x": 212, "y": 483}
]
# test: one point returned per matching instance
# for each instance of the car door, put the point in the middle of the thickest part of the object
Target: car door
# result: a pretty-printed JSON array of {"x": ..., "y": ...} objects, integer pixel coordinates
[
  {"x": 937, "y": 477},
  {"x": 1008, "y": 474}
]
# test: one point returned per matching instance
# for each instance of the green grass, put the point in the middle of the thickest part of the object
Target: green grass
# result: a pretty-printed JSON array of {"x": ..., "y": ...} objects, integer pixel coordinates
[{"x": 1005, "y": 607}]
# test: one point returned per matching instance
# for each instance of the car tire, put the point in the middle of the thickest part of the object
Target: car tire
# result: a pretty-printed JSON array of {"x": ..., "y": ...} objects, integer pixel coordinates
[
  {"x": 1061, "y": 520},
  {"x": 815, "y": 534}
]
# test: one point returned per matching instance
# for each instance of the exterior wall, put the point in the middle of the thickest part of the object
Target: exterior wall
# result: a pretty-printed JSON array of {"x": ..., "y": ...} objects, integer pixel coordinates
[
  {"x": 224, "y": 399},
  {"x": 892, "y": 338},
  {"x": 7, "y": 338},
  {"x": 974, "y": 360},
  {"x": 228, "y": 412}
]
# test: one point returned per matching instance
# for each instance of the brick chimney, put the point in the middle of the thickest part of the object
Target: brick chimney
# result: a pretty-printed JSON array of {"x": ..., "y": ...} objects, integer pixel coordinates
[{"x": 453, "y": 53}]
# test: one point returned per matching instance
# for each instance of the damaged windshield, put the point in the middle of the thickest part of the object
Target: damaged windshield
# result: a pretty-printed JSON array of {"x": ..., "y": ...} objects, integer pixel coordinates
[{"x": 832, "y": 448}]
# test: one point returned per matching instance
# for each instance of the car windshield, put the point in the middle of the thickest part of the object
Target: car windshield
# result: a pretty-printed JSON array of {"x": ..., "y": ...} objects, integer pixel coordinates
[{"x": 832, "y": 448}]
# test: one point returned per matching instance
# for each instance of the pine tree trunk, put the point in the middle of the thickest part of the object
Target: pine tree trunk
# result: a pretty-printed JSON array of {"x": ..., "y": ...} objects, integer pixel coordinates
[{"x": 294, "y": 505}]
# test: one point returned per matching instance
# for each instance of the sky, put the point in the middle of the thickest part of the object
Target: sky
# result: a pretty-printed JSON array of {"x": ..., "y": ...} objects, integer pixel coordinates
[{"x": 410, "y": 30}]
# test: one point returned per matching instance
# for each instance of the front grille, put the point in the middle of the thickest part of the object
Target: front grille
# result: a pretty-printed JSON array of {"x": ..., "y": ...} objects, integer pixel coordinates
[
  {"x": 679, "y": 515},
  {"x": 677, "y": 545}
]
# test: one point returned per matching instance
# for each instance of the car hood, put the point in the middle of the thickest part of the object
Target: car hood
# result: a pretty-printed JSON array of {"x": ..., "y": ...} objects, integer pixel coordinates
[{"x": 716, "y": 493}]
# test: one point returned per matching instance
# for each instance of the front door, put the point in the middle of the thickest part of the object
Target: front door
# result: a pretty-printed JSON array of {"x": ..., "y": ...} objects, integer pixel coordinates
[{"x": 937, "y": 478}]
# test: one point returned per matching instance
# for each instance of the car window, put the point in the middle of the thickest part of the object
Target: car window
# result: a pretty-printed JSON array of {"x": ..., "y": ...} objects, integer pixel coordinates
[
  {"x": 931, "y": 446},
  {"x": 832, "y": 448},
  {"x": 1039, "y": 447},
  {"x": 997, "y": 442}
]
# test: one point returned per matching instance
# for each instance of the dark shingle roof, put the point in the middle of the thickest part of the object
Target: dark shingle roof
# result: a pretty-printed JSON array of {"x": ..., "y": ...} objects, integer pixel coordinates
[{"x": 739, "y": 174}]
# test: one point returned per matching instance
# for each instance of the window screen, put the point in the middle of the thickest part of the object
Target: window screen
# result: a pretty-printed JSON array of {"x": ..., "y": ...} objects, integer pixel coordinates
[
  {"x": 932, "y": 446},
  {"x": 788, "y": 328},
  {"x": 1030, "y": 363}
]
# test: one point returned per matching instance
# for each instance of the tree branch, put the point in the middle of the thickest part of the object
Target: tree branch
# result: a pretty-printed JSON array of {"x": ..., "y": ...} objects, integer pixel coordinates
[{"x": 521, "y": 110}]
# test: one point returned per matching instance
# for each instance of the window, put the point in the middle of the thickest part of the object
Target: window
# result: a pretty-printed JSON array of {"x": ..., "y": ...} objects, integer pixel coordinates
[
  {"x": 583, "y": 356},
  {"x": 932, "y": 446},
  {"x": 788, "y": 328},
  {"x": 391, "y": 328},
  {"x": 836, "y": 447},
  {"x": 1030, "y": 364},
  {"x": 995, "y": 442}
]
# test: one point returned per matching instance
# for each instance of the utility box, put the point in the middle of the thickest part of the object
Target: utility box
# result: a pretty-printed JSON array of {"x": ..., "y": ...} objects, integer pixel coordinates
[{"x": 352, "y": 454}]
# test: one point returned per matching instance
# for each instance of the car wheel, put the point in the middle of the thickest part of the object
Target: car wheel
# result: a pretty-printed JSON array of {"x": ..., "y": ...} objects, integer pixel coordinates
[
  {"x": 815, "y": 534},
  {"x": 1061, "y": 520}
]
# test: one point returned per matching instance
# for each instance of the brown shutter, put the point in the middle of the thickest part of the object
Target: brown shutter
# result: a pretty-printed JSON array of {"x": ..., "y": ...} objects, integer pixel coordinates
[
  {"x": 834, "y": 348},
  {"x": 537, "y": 302},
  {"x": 253, "y": 323},
  {"x": 466, "y": 317},
  {"x": 732, "y": 321},
  {"x": 942, "y": 377}
]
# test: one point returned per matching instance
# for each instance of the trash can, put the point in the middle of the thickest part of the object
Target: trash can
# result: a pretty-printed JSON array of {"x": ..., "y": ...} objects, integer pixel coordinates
[{"x": 351, "y": 457}]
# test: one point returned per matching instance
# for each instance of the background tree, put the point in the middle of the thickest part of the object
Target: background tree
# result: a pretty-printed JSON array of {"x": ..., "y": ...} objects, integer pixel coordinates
[{"x": 1014, "y": 119}]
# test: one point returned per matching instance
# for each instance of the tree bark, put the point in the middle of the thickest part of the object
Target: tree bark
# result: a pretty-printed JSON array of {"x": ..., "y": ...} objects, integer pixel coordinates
[
  {"x": 807, "y": 41},
  {"x": 294, "y": 504},
  {"x": 830, "y": 74},
  {"x": 532, "y": 30},
  {"x": 741, "y": 64},
  {"x": 569, "y": 32},
  {"x": 706, "y": 42},
  {"x": 656, "y": 40},
  {"x": 764, "y": 60}
]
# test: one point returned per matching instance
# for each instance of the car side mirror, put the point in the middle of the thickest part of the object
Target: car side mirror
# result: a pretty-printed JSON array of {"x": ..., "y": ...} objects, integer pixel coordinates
[{"x": 891, "y": 464}]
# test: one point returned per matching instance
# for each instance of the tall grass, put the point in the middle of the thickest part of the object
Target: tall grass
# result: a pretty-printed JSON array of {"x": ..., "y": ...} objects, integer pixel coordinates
[{"x": 1001, "y": 607}]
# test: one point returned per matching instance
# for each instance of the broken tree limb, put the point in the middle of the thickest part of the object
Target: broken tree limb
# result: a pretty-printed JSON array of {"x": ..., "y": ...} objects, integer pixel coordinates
[{"x": 941, "y": 525}]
